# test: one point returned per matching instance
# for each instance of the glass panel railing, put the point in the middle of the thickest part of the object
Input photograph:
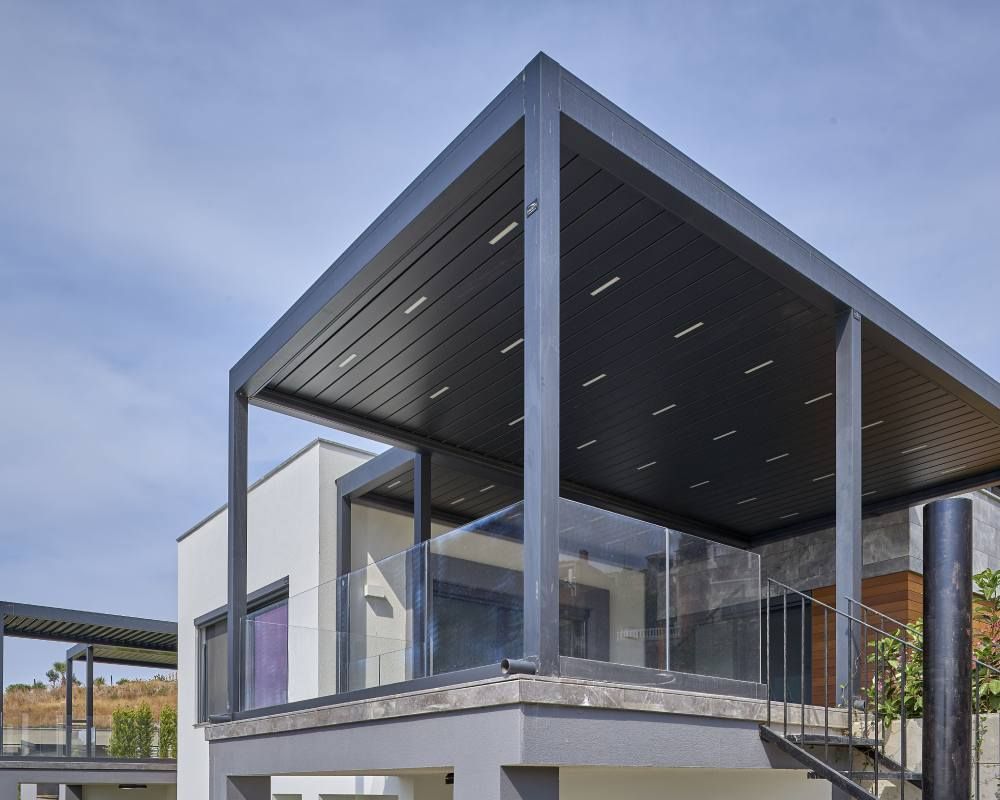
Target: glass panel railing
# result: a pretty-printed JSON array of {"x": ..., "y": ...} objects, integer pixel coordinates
[
  {"x": 630, "y": 593},
  {"x": 642, "y": 595}
]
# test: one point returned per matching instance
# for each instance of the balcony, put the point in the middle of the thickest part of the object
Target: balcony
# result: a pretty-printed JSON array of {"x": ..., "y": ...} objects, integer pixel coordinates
[{"x": 638, "y": 603}]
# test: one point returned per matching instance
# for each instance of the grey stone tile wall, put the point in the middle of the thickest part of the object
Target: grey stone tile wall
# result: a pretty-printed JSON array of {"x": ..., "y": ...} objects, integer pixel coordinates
[{"x": 891, "y": 543}]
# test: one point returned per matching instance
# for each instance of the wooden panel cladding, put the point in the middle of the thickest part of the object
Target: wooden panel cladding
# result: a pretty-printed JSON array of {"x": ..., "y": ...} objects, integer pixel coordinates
[{"x": 899, "y": 595}]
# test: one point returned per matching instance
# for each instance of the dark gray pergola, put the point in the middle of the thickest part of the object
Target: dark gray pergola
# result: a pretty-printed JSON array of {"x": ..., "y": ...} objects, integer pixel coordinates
[
  {"x": 565, "y": 299},
  {"x": 96, "y": 639}
]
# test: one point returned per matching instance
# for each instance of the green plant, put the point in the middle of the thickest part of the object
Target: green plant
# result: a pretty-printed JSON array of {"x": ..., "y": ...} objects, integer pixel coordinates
[
  {"x": 123, "y": 742},
  {"x": 168, "y": 732},
  {"x": 145, "y": 731}
]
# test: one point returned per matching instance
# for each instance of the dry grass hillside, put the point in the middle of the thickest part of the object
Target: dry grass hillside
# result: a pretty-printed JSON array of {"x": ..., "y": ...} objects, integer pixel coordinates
[{"x": 44, "y": 706}]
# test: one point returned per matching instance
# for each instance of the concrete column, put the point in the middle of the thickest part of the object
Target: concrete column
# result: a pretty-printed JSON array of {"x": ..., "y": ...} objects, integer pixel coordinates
[
  {"x": 947, "y": 730},
  {"x": 492, "y": 782},
  {"x": 240, "y": 787},
  {"x": 73, "y": 792}
]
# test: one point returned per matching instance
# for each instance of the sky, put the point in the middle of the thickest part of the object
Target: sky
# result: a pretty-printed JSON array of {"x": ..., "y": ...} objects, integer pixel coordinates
[{"x": 174, "y": 175}]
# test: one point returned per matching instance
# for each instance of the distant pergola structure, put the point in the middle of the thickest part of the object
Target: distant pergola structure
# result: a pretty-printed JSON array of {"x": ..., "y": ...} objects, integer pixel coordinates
[{"x": 96, "y": 638}]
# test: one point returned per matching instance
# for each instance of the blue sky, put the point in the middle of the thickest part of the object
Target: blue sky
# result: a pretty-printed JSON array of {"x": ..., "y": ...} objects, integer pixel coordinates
[{"x": 173, "y": 176}]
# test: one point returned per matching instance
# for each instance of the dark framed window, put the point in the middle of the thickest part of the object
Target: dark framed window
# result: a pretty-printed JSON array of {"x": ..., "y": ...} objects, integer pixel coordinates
[{"x": 266, "y": 669}]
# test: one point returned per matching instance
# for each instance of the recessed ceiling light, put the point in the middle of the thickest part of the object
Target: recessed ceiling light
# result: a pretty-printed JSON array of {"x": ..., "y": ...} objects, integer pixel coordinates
[
  {"x": 512, "y": 345},
  {"x": 586, "y": 444},
  {"x": 665, "y": 408},
  {"x": 439, "y": 392},
  {"x": 866, "y": 494},
  {"x": 912, "y": 449},
  {"x": 817, "y": 399},
  {"x": 688, "y": 330},
  {"x": 503, "y": 233},
  {"x": 789, "y": 516},
  {"x": 872, "y": 424},
  {"x": 696, "y": 485},
  {"x": 595, "y": 379},
  {"x": 515, "y": 421},
  {"x": 776, "y": 458},
  {"x": 393, "y": 485},
  {"x": 748, "y": 500},
  {"x": 950, "y": 469},
  {"x": 419, "y": 302},
  {"x": 605, "y": 285},
  {"x": 824, "y": 477},
  {"x": 723, "y": 435},
  {"x": 347, "y": 360},
  {"x": 645, "y": 466},
  {"x": 487, "y": 488},
  {"x": 456, "y": 502},
  {"x": 767, "y": 363}
]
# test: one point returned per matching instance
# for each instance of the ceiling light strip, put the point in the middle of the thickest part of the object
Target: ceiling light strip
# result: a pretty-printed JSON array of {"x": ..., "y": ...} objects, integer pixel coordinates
[
  {"x": 512, "y": 345},
  {"x": 605, "y": 285},
  {"x": 664, "y": 409},
  {"x": 456, "y": 502},
  {"x": 723, "y": 435},
  {"x": 744, "y": 502},
  {"x": 909, "y": 450},
  {"x": 824, "y": 477},
  {"x": 487, "y": 488},
  {"x": 515, "y": 421},
  {"x": 776, "y": 458},
  {"x": 393, "y": 485},
  {"x": 817, "y": 399},
  {"x": 872, "y": 424},
  {"x": 645, "y": 466},
  {"x": 789, "y": 516},
  {"x": 503, "y": 233},
  {"x": 586, "y": 444},
  {"x": 767, "y": 363},
  {"x": 595, "y": 379},
  {"x": 420, "y": 301},
  {"x": 696, "y": 485},
  {"x": 439, "y": 392},
  {"x": 688, "y": 330},
  {"x": 347, "y": 360}
]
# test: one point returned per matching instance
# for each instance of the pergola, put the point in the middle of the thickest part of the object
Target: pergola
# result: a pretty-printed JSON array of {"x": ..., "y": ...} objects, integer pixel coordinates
[
  {"x": 96, "y": 638},
  {"x": 564, "y": 299}
]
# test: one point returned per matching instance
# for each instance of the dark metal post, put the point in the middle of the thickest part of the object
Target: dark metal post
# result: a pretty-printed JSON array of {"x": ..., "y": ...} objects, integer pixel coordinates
[
  {"x": 343, "y": 616},
  {"x": 848, "y": 501},
  {"x": 237, "y": 560},
  {"x": 90, "y": 701},
  {"x": 947, "y": 734},
  {"x": 2, "y": 618},
  {"x": 69, "y": 706},
  {"x": 417, "y": 566},
  {"x": 541, "y": 363}
]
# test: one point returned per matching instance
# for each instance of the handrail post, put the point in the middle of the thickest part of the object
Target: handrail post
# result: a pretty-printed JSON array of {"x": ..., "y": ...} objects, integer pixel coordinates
[
  {"x": 767, "y": 649},
  {"x": 902, "y": 721}
]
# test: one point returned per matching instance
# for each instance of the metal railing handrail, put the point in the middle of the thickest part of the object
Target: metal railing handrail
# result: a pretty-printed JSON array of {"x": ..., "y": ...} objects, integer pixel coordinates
[{"x": 913, "y": 631}]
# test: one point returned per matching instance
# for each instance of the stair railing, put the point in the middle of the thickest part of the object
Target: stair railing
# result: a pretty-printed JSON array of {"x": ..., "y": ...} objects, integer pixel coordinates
[
  {"x": 866, "y": 689},
  {"x": 980, "y": 671}
]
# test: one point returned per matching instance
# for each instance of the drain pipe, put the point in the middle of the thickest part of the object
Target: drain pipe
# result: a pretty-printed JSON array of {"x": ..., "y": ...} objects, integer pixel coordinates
[
  {"x": 518, "y": 666},
  {"x": 947, "y": 735}
]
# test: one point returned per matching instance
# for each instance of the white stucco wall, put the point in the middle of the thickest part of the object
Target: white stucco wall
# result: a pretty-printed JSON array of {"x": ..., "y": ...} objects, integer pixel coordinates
[
  {"x": 112, "y": 792},
  {"x": 287, "y": 515}
]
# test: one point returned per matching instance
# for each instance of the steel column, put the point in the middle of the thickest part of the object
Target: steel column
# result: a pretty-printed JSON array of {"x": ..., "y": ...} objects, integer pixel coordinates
[
  {"x": 69, "y": 706},
  {"x": 947, "y": 732},
  {"x": 420, "y": 591},
  {"x": 848, "y": 501},
  {"x": 541, "y": 363},
  {"x": 237, "y": 558},
  {"x": 343, "y": 615},
  {"x": 90, "y": 701},
  {"x": 2, "y": 618}
]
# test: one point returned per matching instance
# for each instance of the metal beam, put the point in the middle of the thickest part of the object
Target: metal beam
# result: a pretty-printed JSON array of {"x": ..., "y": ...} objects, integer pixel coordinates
[
  {"x": 848, "y": 500},
  {"x": 320, "y": 414},
  {"x": 375, "y": 472},
  {"x": 541, "y": 363},
  {"x": 237, "y": 550}
]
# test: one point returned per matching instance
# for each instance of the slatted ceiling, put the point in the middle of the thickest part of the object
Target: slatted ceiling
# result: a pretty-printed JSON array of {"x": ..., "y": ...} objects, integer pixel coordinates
[
  {"x": 50, "y": 624},
  {"x": 670, "y": 276}
]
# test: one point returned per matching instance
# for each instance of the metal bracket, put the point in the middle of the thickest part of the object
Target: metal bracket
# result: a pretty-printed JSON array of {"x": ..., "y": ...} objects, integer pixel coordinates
[{"x": 531, "y": 209}]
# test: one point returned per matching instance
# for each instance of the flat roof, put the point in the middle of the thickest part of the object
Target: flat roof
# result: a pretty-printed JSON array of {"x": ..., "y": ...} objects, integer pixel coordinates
[
  {"x": 697, "y": 338},
  {"x": 135, "y": 639}
]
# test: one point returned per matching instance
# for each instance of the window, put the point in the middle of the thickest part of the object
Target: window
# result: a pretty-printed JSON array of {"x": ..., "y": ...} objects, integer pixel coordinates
[{"x": 266, "y": 669}]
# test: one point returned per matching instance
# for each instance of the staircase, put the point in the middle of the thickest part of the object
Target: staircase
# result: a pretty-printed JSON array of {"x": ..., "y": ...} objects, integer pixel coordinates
[{"x": 851, "y": 756}]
